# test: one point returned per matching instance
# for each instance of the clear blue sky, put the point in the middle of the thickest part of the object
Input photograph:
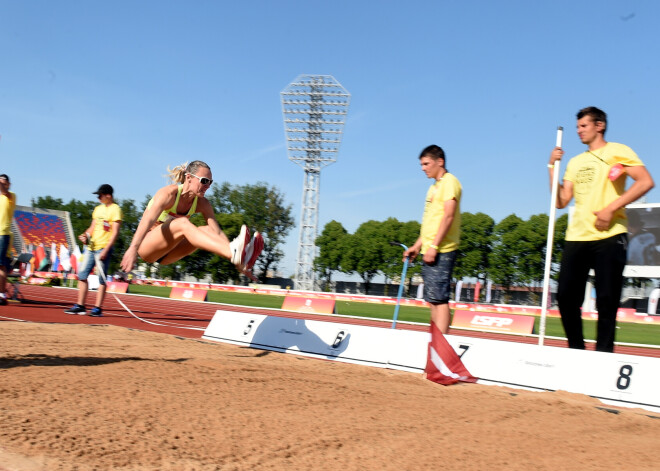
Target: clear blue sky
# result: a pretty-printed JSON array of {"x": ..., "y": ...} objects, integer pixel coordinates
[{"x": 113, "y": 92}]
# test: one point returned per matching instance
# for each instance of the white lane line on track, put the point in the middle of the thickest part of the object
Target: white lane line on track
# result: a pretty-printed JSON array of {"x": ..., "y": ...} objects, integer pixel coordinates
[
  {"x": 13, "y": 319},
  {"x": 153, "y": 323},
  {"x": 155, "y": 304}
]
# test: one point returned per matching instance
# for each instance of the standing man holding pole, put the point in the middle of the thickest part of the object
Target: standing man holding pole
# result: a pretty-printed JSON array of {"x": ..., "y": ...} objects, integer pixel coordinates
[
  {"x": 439, "y": 234},
  {"x": 99, "y": 238},
  {"x": 596, "y": 237}
]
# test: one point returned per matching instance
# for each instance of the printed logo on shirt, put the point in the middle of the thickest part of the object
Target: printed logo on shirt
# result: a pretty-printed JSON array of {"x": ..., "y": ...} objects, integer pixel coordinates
[
  {"x": 106, "y": 226},
  {"x": 584, "y": 178}
]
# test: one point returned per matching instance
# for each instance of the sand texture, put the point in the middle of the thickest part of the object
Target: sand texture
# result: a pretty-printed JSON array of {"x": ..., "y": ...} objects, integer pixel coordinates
[{"x": 85, "y": 397}]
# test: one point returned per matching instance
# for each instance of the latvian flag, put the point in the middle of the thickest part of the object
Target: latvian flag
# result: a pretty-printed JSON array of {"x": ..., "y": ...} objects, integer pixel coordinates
[{"x": 443, "y": 364}]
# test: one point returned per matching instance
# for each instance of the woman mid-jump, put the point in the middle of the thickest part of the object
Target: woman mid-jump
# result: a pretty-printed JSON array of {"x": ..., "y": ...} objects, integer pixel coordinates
[{"x": 166, "y": 235}]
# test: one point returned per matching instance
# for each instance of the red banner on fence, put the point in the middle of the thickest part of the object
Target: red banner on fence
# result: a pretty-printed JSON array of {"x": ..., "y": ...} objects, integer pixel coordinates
[
  {"x": 188, "y": 294},
  {"x": 309, "y": 304},
  {"x": 494, "y": 322},
  {"x": 117, "y": 287}
]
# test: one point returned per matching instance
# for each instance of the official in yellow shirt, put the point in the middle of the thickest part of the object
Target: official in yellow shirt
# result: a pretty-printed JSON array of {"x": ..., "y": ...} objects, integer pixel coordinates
[
  {"x": 99, "y": 238},
  {"x": 596, "y": 237},
  {"x": 439, "y": 235},
  {"x": 7, "y": 206}
]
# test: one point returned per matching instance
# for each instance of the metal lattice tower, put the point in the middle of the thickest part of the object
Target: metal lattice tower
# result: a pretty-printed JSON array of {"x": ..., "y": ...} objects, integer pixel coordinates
[{"x": 314, "y": 109}]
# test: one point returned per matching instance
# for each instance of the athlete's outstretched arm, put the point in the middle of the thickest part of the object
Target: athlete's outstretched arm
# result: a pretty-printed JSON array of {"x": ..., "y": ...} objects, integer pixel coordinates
[{"x": 164, "y": 198}]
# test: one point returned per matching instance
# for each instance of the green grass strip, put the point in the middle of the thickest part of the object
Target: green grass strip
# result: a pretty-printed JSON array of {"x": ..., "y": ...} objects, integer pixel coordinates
[{"x": 627, "y": 332}]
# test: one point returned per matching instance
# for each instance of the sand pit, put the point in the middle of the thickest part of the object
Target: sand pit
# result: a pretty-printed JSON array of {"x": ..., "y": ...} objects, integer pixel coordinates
[{"x": 79, "y": 397}]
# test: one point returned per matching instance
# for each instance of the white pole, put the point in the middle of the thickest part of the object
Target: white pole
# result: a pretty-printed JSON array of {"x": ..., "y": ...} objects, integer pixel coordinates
[{"x": 550, "y": 241}]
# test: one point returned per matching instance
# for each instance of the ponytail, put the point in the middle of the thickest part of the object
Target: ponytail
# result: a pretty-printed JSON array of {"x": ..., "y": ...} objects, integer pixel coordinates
[{"x": 178, "y": 173}]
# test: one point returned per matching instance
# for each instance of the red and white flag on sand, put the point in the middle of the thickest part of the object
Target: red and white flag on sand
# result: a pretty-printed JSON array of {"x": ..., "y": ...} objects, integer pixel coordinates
[{"x": 443, "y": 365}]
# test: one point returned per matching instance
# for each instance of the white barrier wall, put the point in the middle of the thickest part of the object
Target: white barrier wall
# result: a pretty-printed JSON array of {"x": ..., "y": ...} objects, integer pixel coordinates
[{"x": 625, "y": 380}]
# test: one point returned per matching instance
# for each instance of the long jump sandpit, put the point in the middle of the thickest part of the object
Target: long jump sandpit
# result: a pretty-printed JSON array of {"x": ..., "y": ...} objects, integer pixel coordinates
[{"x": 99, "y": 397}]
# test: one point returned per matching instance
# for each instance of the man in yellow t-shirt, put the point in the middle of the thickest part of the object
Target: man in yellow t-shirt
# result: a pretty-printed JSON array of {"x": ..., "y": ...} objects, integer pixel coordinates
[
  {"x": 439, "y": 236},
  {"x": 7, "y": 206},
  {"x": 596, "y": 237},
  {"x": 99, "y": 237}
]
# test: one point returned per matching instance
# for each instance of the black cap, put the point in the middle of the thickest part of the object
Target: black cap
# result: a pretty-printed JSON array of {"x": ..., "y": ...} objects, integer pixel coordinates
[
  {"x": 104, "y": 189},
  {"x": 4, "y": 175}
]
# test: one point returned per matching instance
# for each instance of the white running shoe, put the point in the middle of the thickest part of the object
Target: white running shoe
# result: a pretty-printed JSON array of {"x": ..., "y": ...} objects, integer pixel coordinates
[
  {"x": 253, "y": 250},
  {"x": 238, "y": 245}
]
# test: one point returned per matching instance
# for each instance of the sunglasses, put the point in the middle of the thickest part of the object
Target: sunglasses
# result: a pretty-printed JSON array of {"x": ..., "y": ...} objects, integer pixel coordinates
[{"x": 202, "y": 180}]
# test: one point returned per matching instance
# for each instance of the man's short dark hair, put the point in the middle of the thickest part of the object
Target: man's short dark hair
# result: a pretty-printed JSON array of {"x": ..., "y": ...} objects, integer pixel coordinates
[
  {"x": 434, "y": 152},
  {"x": 596, "y": 115}
]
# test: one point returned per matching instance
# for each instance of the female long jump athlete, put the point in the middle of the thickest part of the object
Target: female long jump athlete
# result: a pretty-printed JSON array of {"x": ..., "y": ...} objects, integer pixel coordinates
[{"x": 165, "y": 233}]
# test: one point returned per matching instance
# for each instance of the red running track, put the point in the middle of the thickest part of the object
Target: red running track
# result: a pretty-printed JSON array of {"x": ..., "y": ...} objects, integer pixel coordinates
[{"x": 189, "y": 319}]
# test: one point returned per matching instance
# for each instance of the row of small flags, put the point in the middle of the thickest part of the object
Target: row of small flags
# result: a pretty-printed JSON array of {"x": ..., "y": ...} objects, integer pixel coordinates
[{"x": 59, "y": 260}]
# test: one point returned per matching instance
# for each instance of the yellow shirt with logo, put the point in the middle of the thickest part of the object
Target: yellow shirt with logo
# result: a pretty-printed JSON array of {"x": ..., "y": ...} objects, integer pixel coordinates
[
  {"x": 445, "y": 189},
  {"x": 593, "y": 190},
  {"x": 104, "y": 216},
  {"x": 7, "y": 206}
]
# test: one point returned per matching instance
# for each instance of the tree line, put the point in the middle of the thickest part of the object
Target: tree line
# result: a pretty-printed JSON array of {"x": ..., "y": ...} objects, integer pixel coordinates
[
  {"x": 259, "y": 206},
  {"x": 510, "y": 253}
]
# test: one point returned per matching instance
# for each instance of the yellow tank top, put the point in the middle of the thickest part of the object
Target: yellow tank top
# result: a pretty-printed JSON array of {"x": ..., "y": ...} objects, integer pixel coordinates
[{"x": 170, "y": 213}]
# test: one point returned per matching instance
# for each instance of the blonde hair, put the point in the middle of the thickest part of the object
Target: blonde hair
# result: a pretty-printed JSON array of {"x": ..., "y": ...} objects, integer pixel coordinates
[{"x": 178, "y": 173}]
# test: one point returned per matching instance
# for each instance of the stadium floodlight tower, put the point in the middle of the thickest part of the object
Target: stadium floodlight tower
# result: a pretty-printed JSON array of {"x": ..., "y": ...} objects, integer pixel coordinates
[{"x": 314, "y": 109}]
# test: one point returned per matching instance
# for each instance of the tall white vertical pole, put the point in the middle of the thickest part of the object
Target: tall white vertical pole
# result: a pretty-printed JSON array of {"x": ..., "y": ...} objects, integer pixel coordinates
[{"x": 550, "y": 241}]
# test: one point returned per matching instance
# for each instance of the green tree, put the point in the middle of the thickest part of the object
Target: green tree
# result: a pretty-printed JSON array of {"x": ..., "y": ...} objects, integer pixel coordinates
[
  {"x": 149, "y": 271},
  {"x": 472, "y": 257},
  {"x": 519, "y": 250},
  {"x": 561, "y": 225},
  {"x": 406, "y": 233},
  {"x": 408, "y": 236},
  {"x": 368, "y": 252},
  {"x": 393, "y": 230},
  {"x": 364, "y": 252},
  {"x": 532, "y": 239},
  {"x": 47, "y": 202},
  {"x": 503, "y": 259},
  {"x": 390, "y": 231},
  {"x": 331, "y": 250},
  {"x": 131, "y": 218},
  {"x": 262, "y": 208}
]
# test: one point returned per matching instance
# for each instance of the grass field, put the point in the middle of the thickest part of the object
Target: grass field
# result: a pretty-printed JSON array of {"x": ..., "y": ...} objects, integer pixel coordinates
[{"x": 627, "y": 332}]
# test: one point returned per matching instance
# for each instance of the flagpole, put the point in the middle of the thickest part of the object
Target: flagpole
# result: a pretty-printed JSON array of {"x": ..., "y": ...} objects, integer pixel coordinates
[
  {"x": 403, "y": 280},
  {"x": 550, "y": 241}
]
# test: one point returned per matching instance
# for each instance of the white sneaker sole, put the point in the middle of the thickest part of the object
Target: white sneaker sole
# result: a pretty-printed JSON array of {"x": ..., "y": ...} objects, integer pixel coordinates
[
  {"x": 238, "y": 245},
  {"x": 253, "y": 250}
]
